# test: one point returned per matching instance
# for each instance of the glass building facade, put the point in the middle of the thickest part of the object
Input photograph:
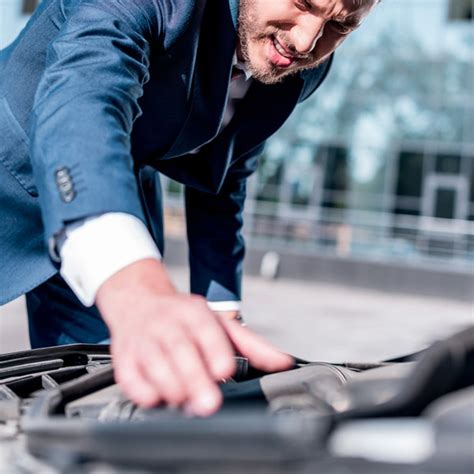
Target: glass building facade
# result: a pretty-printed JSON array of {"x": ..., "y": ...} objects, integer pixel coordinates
[{"x": 379, "y": 163}]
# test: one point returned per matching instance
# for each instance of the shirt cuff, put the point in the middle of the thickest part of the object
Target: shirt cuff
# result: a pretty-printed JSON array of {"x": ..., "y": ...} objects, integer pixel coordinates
[
  {"x": 224, "y": 305},
  {"x": 94, "y": 249}
]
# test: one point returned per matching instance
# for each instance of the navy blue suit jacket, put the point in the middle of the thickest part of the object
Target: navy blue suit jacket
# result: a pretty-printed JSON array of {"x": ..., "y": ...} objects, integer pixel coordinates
[{"x": 107, "y": 90}]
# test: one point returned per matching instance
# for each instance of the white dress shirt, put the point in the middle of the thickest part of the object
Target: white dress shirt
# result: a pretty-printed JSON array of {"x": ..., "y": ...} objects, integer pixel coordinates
[{"x": 94, "y": 249}]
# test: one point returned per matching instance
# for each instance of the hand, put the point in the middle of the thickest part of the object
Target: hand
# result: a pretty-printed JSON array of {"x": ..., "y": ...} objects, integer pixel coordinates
[
  {"x": 169, "y": 347},
  {"x": 228, "y": 314}
]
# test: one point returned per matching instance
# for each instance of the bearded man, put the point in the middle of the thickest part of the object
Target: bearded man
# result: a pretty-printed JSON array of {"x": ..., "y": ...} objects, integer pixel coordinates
[{"x": 96, "y": 98}]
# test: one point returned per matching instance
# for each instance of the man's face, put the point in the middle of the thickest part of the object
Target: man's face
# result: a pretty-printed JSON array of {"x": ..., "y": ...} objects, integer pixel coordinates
[{"x": 281, "y": 37}]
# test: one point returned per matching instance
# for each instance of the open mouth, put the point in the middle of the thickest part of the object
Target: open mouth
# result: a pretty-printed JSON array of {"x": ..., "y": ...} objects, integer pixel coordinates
[
  {"x": 282, "y": 50},
  {"x": 280, "y": 56}
]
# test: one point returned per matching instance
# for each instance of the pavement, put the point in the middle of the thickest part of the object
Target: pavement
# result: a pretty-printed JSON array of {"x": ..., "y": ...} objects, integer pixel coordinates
[{"x": 316, "y": 321}]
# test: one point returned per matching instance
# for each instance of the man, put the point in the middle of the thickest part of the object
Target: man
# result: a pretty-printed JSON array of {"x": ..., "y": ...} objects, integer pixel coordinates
[{"x": 98, "y": 95}]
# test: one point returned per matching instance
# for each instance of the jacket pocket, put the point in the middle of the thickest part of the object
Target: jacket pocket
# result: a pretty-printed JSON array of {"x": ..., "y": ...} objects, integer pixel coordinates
[{"x": 14, "y": 149}]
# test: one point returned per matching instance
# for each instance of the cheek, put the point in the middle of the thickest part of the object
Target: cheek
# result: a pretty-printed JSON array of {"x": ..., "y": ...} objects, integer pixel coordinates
[{"x": 257, "y": 50}]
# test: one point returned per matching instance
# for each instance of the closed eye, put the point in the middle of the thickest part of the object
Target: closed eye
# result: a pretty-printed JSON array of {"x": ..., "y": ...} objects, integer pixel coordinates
[
  {"x": 304, "y": 5},
  {"x": 341, "y": 28}
]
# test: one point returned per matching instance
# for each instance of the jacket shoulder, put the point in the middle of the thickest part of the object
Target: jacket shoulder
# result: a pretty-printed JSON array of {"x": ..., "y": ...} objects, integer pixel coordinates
[
  {"x": 167, "y": 19},
  {"x": 178, "y": 17}
]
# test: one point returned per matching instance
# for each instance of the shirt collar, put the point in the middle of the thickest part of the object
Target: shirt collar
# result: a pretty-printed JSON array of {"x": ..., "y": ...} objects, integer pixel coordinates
[
  {"x": 241, "y": 65},
  {"x": 234, "y": 11}
]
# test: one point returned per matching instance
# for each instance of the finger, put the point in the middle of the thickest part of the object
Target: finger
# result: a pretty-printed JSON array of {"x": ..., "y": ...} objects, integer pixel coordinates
[
  {"x": 161, "y": 373},
  {"x": 132, "y": 381},
  {"x": 203, "y": 396},
  {"x": 260, "y": 353},
  {"x": 214, "y": 345}
]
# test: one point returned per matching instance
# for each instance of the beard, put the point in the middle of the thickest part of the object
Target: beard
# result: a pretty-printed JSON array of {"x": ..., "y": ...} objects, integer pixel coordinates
[{"x": 248, "y": 33}]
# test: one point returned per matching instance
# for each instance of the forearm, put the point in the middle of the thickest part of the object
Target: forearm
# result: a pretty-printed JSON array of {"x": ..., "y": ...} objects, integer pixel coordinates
[
  {"x": 146, "y": 276},
  {"x": 84, "y": 109}
]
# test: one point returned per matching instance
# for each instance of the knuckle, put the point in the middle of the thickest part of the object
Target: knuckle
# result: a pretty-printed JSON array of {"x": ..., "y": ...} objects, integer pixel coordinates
[
  {"x": 174, "y": 396},
  {"x": 189, "y": 364},
  {"x": 156, "y": 375},
  {"x": 213, "y": 336},
  {"x": 198, "y": 316},
  {"x": 178, "y": 343},
  {"x": 170, "y": 386},
  {"x": 142, "y": 393},
  {"x": 191, "y": 370},
  {"x": 225, "y": 367},
  {"x": 198, "y": 375}
]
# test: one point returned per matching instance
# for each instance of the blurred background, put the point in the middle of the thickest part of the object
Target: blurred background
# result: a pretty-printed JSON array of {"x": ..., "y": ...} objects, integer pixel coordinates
[{"x": 360, "y": 220}]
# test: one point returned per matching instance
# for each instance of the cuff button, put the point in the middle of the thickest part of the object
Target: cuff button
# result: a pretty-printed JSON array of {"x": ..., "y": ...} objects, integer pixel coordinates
[{"x": 65, "y": 184}]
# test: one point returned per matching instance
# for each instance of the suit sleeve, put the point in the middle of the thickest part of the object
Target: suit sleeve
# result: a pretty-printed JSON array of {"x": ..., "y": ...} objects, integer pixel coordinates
[
  {"x": 214, "y": 224},
  {"x": 85, "y": 106}
]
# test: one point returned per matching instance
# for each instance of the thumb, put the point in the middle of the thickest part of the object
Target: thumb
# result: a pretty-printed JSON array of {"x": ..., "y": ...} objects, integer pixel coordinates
[{"x": 260, "y": 353}]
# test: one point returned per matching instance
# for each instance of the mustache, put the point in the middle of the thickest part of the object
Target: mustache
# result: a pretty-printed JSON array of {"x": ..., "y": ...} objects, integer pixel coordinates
[{"x": 285, "y": 42}]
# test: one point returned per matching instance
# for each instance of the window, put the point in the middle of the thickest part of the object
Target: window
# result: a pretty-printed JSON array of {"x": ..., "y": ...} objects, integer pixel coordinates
[
  {"x": 337, "y": 179},
  {"x": 450, "y": 164},
  {"x": 174, "y": 189},
  {"x": 410, "y": 183},
  {"x": 471, "y": 213},
  {"x": 269, "y": 179},
  {"x": 460, "y": 10},
  {"x": 410, "y": 174},
  {"x": 300, "y": 175},
  {"x": 445, "y": 203}
]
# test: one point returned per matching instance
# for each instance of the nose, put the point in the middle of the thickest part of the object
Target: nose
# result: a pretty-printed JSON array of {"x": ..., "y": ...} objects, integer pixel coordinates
[{"x": 307, "y": 33}]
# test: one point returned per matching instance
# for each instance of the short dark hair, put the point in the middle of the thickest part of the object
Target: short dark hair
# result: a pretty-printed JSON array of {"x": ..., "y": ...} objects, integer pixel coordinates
[{"x": 29, "y": 6}]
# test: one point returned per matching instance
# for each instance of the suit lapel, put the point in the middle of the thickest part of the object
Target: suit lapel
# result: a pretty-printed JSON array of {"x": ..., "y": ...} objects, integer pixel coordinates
[
  {"x": 211, "y": 79},
  {"x": 260, "y": 114},
  {"x": 263, "y": 111}
]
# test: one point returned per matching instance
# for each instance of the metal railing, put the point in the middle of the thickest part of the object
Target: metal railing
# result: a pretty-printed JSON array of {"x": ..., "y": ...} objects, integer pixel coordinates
[{"x": 368, "y": 235}]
